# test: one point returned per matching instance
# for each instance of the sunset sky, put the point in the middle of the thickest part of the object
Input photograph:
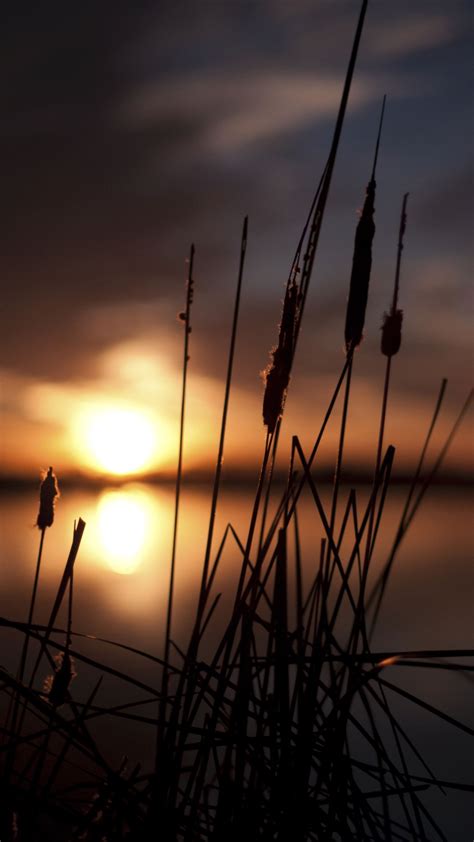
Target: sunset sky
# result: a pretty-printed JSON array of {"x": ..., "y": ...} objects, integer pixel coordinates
[{"x": 131, "y": 129}]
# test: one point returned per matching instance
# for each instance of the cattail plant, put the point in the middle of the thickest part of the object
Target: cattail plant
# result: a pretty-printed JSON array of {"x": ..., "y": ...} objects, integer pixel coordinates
[
  {"x": 277, "y": 374},
  {"x": 277, "y": 383},
  {"x": 390, "y": 345},
  {"x": 392, "y": 321},
  {"x": 362, "y": 261},
  {"x": 356, "y": 307},
  {"x": 48, "y": 492}
]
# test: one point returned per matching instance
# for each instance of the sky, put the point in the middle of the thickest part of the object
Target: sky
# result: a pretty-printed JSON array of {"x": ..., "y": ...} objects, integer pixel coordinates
[{"x": 130, "y": 130}]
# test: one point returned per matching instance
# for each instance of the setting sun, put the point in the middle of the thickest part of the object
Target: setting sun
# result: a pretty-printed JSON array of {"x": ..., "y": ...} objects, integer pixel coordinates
[{"x": 119, "y": 440}]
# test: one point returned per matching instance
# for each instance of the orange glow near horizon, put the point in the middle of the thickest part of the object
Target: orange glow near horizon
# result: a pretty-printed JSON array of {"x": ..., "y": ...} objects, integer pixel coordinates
[{"x": 117, "y": 440}]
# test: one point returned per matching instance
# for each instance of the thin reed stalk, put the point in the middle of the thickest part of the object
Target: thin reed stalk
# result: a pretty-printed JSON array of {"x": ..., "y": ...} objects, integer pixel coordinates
[
  {"x": 166, "y": 779},
  {"x": 78, "y": 532},
  {"x": 48, "y": 493},
  {"x": 220, "y": 452},
  {"x": 391, "y": 338},
  {"x": 169, "y": 610},
  {"x": 14, "y": 708},
  {"x": 356, "y": 307}
]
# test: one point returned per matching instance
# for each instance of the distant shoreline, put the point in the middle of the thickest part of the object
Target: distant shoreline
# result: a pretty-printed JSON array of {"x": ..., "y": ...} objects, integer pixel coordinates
[{"x": 240, "y": 479}]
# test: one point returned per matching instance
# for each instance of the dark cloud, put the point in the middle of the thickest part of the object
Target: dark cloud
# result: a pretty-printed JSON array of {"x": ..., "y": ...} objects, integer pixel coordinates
[{"x": 447, "y": 211}]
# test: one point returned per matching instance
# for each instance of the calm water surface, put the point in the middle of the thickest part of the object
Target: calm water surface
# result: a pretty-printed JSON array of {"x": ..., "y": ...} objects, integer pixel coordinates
[{"x": 121, "y": 582}]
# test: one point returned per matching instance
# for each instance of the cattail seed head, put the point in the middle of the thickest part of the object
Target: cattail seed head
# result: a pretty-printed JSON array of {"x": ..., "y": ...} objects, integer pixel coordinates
[
  {"x": 48, "y": 492},
  {"x": 362, "y": 259},
  {"x": 276, "y": 377},
  {"x": 277, "y": 374},
  {"x": 360, "y": 275},
  {"x": 391, "y": 333}
]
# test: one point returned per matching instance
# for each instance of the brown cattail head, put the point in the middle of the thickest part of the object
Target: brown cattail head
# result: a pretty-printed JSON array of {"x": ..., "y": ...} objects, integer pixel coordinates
[
  {"x": 56, "y": 687},
  {"x": 391, "y": 333},
  {"x": 48, "y": 492},
  {"x": 360, "y": 275},
  {"x": 277, "y": 374},
  {"x": 362, "y": 260}
]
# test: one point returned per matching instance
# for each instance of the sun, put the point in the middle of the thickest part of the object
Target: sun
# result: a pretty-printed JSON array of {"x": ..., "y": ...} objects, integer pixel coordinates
[{"x": 118, "y": 440}]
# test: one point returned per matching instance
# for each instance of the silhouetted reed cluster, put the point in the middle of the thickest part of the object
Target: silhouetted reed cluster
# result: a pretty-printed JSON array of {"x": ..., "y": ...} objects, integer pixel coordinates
[{"x": 280, "y": 723}]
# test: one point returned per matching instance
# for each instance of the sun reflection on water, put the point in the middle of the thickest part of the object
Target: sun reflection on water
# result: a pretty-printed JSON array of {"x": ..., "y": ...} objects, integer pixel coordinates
[{"x": 125, "y": 524}]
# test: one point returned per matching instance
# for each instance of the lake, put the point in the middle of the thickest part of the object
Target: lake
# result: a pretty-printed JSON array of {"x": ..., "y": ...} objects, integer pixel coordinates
[{"x": 121, "y": 581}]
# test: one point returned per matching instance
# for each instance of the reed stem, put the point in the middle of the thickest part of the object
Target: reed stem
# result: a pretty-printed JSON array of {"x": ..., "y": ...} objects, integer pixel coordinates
[
  {"x": 340, "y": 452},
  {"x": 220, "y": 454},
  {"x": 15, "y": 727},
  {"x": 169, "y": 612}
]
